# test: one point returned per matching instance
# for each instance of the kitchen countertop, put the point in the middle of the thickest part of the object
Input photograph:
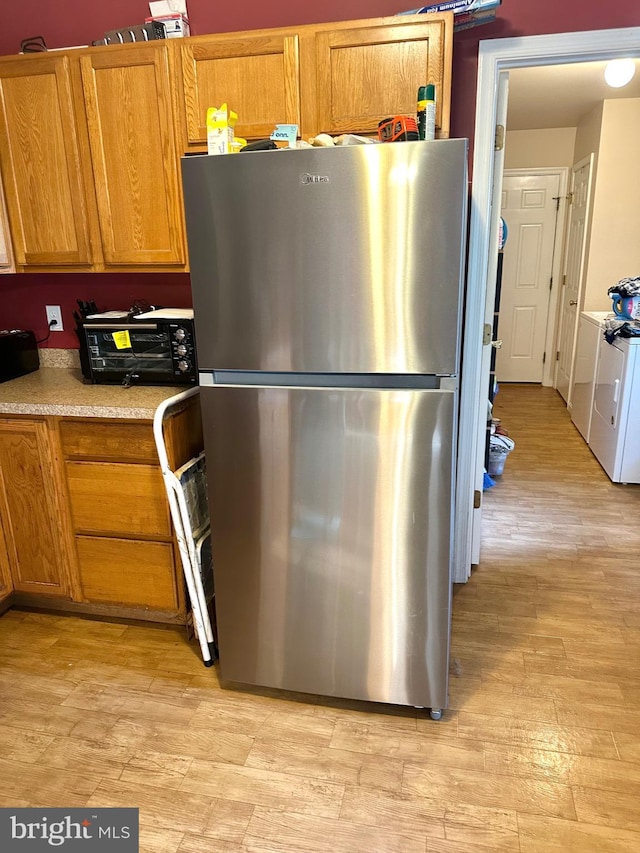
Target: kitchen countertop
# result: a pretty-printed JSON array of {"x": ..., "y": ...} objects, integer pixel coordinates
[{"x": 61, "y": 391}]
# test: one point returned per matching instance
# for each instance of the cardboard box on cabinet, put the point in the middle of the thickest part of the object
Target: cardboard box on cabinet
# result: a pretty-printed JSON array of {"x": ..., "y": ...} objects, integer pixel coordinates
[{"x": 175, "y": 26}]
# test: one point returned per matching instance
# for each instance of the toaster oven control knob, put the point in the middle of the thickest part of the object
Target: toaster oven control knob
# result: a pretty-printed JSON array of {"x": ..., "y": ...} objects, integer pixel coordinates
[
  {"x": 180, "y": 334},
  {"x": 181, "y": 349},
  {"x": 183, "y": 365}
]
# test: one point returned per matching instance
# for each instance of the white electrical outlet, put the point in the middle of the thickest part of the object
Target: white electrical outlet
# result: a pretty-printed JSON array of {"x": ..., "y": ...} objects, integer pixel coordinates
[{"x": 54, "y": 312}]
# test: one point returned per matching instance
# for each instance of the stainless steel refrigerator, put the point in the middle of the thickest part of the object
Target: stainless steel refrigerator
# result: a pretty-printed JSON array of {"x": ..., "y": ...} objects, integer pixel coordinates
[{"x": 327, "y": 287}]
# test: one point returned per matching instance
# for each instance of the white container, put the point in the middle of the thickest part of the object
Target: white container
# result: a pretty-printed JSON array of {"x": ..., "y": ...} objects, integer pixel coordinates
[{"x": 500, "y": 446}]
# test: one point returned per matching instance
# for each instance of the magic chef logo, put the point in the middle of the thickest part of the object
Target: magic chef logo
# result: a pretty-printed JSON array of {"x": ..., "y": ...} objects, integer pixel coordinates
[
  {"x": 42, "y": 829},
  {"x": 307, "y": 178}
]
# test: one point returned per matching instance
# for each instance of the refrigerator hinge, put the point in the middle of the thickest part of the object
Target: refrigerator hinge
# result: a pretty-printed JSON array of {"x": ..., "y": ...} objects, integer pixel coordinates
[
  {"x": 477, "y": 499},
  {"x": 487, "y": 334},
  {"x": 499, "y": 137}
]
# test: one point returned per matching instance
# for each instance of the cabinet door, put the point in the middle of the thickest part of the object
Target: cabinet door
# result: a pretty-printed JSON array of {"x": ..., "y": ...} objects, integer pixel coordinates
[
  {"x": 29, "y": 508},
  {"x": 40, "y": 161},
  {"x": 257, "y": 76},
  {"x": 369, "y": 72},
  {"x": 6, "y": 255},
  {"x": 133, "y": 153},
  {"x": 6, "y": 582}
]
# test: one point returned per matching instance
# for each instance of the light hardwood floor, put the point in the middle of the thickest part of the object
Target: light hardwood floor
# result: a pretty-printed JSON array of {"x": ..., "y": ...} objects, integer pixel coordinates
[{"x": 539, "y": 751}]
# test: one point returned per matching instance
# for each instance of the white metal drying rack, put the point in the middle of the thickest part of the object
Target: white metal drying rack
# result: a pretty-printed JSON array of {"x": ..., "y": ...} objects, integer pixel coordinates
[{"x": 187, "y": 496}]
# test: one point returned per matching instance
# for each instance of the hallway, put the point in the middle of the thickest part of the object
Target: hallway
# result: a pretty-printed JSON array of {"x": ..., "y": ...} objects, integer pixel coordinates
[
  {"x": 547, "y": 637},
  {"x": 538, "y": 753}
]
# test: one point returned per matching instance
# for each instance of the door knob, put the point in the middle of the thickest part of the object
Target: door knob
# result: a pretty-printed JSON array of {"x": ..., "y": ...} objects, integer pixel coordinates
[
  {"x": 573, "y": 302},
  {"x": 496, "y": 344}
]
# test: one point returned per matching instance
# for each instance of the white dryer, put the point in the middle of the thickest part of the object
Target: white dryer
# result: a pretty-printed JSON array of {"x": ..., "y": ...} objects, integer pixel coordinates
[
  {"x": 590, "y": 335},
  {"x": 614, "y": 436}
]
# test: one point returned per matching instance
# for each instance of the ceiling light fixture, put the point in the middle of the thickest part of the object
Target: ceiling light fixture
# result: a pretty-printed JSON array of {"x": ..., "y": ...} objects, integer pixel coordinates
[{"x": 619, "y": 72}]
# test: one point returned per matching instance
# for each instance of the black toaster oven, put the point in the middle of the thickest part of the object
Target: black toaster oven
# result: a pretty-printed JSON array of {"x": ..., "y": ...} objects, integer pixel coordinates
[
  {"x": 155, "y": 348},
  {"x": 18, "y": 354}
]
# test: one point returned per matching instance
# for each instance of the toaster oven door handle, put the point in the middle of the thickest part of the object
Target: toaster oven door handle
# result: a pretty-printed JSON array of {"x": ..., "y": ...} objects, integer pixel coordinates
[{"x": 118, "y": 326}]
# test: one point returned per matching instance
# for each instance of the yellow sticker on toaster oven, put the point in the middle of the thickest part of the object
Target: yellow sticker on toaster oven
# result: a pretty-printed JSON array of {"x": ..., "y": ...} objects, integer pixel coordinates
[{"x": 122, "y": 340}]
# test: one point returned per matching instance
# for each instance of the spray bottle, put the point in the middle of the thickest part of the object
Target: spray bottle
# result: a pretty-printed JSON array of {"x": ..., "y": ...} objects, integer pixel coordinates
[{"x": 426, "y": 112}]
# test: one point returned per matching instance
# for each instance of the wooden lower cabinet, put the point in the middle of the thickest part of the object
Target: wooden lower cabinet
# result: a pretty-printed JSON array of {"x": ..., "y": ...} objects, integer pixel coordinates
[
  {"x": 84, "y": 518},
  {"x": 6, "y": 581},
  {"x": 127, "y": 560},
  {"x": 126, "y": 555},
  {"x": 31, "y": 509}
]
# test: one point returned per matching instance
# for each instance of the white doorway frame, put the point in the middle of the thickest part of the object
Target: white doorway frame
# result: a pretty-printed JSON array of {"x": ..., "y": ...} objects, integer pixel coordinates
[
  {"x": 496, "y": 57},
  {"x": 557, "y": 261}
]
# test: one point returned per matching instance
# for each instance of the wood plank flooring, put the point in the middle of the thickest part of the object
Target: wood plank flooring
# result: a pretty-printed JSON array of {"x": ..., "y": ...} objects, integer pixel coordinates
[{"x": 539, "y": 751}]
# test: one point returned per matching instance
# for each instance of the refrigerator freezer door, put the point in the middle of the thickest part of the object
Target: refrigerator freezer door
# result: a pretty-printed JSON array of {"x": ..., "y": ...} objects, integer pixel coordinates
[
  {"x": 333, "y": 260},
  {"x": 331, "y": 530}
]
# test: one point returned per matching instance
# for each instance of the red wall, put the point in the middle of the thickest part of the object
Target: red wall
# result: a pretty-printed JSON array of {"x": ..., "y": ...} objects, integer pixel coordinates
[{"x": 71, "y": 22}]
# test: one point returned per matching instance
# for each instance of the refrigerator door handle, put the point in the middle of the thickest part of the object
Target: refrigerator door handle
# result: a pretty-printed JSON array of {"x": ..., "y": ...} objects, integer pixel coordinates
[{"x": 261, "y": 379}]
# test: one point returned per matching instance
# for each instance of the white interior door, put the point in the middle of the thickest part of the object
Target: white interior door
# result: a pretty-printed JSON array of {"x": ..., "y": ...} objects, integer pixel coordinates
[
  {"x": 570, "y": 300},
  {"x": 530, "y": 205}
]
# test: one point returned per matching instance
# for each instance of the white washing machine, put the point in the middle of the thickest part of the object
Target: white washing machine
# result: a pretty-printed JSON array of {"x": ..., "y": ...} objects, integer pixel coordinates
[
  {"x": 614, "y": 436},
  {"x": 590, "y": 334}
]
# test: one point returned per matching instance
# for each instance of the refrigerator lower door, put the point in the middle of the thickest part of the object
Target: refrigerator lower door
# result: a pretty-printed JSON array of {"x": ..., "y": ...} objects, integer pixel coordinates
[{"x": 331, "y": 519}]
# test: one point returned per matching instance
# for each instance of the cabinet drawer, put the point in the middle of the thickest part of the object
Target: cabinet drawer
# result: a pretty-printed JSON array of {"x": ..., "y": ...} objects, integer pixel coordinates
[
  {"x": 116, "y": 498},
  {"x": 127, "y": 442},
  {"x": 127, "y": 572}
]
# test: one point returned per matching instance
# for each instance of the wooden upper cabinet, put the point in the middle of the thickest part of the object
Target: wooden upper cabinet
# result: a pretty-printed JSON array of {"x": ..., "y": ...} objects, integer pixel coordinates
[
  {"x": 91, "y": 139},
  {"x": 30, "y": 509},
  {"x": 367, "y": 71},
  {"x": 256, "y": 75},
  {"x": 41, "y": 165},
  {"x": 128, "y": 102},
  {"x": 6, "y": 253}
]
